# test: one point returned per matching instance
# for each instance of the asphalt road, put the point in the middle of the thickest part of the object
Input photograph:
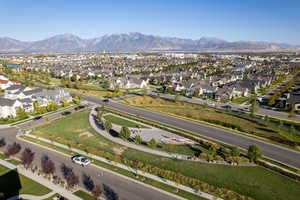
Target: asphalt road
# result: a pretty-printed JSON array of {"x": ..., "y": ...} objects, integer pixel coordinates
[
  {"x": 124, "y": 188},
  {"x": 278, "y": 153}
]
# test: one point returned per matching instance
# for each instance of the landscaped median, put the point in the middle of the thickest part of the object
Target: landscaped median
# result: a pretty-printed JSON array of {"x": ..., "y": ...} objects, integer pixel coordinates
[
  {"x": 224, "y": 181},
  {"x": 216, "y": 117}
]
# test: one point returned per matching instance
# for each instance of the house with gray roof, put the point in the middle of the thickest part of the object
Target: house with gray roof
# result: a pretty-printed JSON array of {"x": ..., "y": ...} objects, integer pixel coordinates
[{"x": 8, "y": 107}]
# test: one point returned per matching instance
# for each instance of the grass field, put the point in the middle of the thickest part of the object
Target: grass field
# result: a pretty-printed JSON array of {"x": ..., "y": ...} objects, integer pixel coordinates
[
  {"x": 240, "y": 100},
  {"x": 255, "y": 182},
  {"x": 122, "y": 122},
  {"x": 76, "y": 128},
  {"x": 84, "y": 195},
  {"x": 9, "y": 184},
  {"x": 201, "y": 113},
  {"x": 11, "y": 160},
  {"x": 180, "y": 149}
]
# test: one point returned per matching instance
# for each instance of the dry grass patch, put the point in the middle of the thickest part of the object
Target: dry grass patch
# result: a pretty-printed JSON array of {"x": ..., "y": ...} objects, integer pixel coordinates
[{"x": 86, "y": 134}]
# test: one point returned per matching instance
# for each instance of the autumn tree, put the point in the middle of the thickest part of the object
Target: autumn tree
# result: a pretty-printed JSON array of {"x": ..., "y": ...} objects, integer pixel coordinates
[
  {"x": 76, "y": 99},
  {"x": 96, "y": 192},
  {"x": 20, "y": 112},
  {"x": 64, "y": 102},
  {"x": 27, "y": 157},
  {"x": 48, "y": 166},
  {"x": 13, "y": 149}
]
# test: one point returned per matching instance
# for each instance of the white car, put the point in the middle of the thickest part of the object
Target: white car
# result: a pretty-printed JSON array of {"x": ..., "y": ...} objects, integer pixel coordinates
[
  {"x": 211, "y": 104},
  {"x": 80, "y": 160}
]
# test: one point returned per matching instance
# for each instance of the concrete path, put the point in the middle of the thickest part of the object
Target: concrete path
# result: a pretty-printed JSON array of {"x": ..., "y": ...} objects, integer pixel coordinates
[
  {"x": 32, "y": 197},
  {"x": 55, "y": 188}
]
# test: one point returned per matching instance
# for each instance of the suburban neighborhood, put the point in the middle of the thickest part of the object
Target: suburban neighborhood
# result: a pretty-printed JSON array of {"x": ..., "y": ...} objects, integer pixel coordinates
[{"x": 150, "y": 100}]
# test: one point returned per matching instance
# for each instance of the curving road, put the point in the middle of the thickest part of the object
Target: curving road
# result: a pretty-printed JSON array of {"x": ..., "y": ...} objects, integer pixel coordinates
[{"x": 274, "y": 152}]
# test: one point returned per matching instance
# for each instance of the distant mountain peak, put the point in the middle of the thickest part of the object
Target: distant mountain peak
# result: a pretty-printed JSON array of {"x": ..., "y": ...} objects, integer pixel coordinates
[{"x": 133, "y": 41}]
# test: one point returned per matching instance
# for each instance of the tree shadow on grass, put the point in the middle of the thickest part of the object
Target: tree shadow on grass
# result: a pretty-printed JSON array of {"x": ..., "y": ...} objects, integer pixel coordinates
[{"x": 10, "y": 185}]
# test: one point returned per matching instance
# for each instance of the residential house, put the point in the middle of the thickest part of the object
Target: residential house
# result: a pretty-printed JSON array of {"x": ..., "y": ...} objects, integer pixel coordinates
[{"x": 8, "y": 107}]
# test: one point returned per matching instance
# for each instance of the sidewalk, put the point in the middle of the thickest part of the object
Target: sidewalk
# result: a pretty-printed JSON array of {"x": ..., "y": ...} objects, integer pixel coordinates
[
  {"x": 55, "y": 189},
  {"x": 130, "y": 169}
]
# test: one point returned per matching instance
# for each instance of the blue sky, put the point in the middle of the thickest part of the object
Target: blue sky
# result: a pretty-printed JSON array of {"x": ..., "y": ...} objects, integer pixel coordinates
[{"x": 232, "y": 20}]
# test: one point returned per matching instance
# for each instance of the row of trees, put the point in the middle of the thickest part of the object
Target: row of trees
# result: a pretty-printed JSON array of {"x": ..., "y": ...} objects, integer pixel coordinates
[{"x": 48, "y": 168}]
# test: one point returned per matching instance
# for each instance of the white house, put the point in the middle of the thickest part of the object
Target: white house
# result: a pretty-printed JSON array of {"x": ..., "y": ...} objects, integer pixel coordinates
[{"x": 8, "y": 107}]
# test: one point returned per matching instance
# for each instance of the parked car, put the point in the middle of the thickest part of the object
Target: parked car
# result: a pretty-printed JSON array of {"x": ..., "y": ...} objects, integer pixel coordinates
[
  {"x": 80, "y": 160},
  {"x": 79, "y": 107},
  {"x": 211, "y": 104},
  {"x": 38, "y": 117},
  {"x": 66, "y": 113}
]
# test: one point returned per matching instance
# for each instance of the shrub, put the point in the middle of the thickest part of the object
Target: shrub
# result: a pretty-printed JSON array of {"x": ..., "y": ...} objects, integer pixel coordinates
[
  {"x": 138, "y": 139},
  {"x": 152, "y": 143},
  {"x": 125, "y": 133},
  {"x": 254, "y": 153},
  {"x": 107, "y": 125}
]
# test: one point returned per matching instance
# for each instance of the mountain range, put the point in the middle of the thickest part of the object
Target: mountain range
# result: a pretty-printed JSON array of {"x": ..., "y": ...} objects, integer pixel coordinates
[{"x": 65, "y": 43}]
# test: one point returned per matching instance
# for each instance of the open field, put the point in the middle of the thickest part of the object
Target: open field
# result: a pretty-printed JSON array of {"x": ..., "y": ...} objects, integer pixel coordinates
[
  {"x": 122, "y": 122},
  {"x": 9, "y": 183},
  {"x": 212, "y": 115},
  {"x": 91, "y": 92},
  {"x": 76, "y": 129},
  {"x": 255, "y": 182},
  {"x": 240, "y": 100}
]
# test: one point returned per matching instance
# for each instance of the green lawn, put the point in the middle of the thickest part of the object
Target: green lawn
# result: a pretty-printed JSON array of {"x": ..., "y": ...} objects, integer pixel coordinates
[
  {"x": 84, "y": 195},
  {"x": 180, "y": 149},
  {"x": 76, "y": 129},
  {"x": 11, "y": 160},
  {"x": 240, "y": 100},
  {"x": 255, "y": 182},
  {"x": 12, "y": 183},
  {"x": 122, "y": 122}
]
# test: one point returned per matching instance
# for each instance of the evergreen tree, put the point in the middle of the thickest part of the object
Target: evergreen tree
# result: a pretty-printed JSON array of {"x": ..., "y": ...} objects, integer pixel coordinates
[
  {"x": 138, "y": 139},
  {"x": 125, "y": 133},
  {"x": 254, "y": 153},
  {"x": 152, "y": 143}
]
